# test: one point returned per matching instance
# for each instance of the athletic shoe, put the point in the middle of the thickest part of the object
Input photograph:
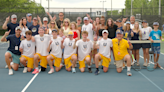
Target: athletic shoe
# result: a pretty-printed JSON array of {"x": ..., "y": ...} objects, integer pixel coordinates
[
  {"x": 129, "y": 73},
  {"x": 89, "y": 69},
  {"x": 97, "y": 72},
  {"x": 145, "y": 64},
  {"x": 10, "y": 72},
  {"x": 6, "y": 66},
  {"x": 73, "y": 70},
  {"x": 35, "y": 71},
  {"x": 51, "y": 71},
  {"x": 25, "y": 70}
]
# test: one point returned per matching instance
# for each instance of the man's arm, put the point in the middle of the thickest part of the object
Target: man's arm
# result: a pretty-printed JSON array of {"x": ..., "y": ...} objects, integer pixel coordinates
[
  {"x": 40, "y": 22},
  {"x": 3, "y": 39},
  {"x": 5, "y": 24},
  {"x": 48, "y": 49}
]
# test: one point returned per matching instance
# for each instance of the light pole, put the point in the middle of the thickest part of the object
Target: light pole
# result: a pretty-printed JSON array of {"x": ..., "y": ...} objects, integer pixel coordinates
[{"x": 103, "y": 5}]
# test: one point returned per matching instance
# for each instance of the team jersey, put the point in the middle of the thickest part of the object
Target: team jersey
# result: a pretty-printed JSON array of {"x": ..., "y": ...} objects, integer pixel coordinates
[
  {"x": 68, "y": 47},
  {"x": 84, "y": 48},
  {"x": 28, "y": 48},
  {"x": 104, "y": 47},
  {"x": 42, "y": 44}
]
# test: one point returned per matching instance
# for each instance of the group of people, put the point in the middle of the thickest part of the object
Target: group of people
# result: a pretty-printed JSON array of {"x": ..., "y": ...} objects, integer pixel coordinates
[{"x": 32, "y": 41}]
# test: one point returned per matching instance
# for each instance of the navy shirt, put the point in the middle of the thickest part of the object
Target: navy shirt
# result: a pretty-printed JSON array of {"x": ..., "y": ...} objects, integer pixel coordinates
[
  {"x": 34, "y": 29},
  {"x": 11, "y": 26},
  {"x": 29, "y": 24},
  {"x": 121, "y": 28},
  {"x": 14, "y": 41},
  {"x": 127, "y": 34}
]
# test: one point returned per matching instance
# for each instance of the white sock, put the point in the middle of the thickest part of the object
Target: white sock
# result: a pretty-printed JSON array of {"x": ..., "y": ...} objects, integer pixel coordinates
[
  {"x": 89, "y": 66},
  {"x": 11, "y": 63},
  {"x": 37, "y": 68},
  {"x": 73, "y": 68},
  {"x": 128, "y": 68}
]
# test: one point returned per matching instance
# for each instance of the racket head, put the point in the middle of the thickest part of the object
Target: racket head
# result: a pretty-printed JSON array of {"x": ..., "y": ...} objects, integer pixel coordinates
[
  {"x": 136, "y": 66},
  {"x": 150, "y": 67}
]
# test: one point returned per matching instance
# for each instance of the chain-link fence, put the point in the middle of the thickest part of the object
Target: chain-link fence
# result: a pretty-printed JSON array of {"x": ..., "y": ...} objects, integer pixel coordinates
[{"x": 149, "y": 14}]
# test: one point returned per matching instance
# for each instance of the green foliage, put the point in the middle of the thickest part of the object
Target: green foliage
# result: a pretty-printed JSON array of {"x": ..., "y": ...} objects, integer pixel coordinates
[{"x": 114, "y": 12}]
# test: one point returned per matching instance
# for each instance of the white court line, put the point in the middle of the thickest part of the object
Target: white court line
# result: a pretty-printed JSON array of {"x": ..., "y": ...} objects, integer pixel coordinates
[
  {"x": 162, "y": 53},
  {"x": 24, "y": 89},
  {"x": 149, "y": 79}
]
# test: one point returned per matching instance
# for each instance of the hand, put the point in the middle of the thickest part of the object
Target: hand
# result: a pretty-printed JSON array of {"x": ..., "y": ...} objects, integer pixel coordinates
[
  {"x": 8, "y": 18},
  {"x": 62, "y": 41},
  {"x": 38, "y": 17},
  {"x": 48, "y": 13},
  {"x": 100, "y": 38},
  {"x": 22, "y": 37},
  {"x": 20, "y": 22},
  {"x": 76, "y": 39},
  {"x": 132, "y": 34},
  {"x": 7, "y": 33},
  {"x": 20, "y": 49},
  {"x": 50, "y": 41},
  {"x": 88, "y": 40},
  {"x": 151, "y": 40},
  {"x": 54, "y": 18},
  {"x": 88, "y": 15},
  {"x": 124, "y": 20}
]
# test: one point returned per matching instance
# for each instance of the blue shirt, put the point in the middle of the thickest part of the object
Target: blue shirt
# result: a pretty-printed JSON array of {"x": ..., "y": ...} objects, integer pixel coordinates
[
  {"x": 14, "y": 41},
  {"x": 29, "y": 24},
  {"x": 34, "y": 29},
  {"x": 121, "y": 28},
  {"x": 11, "y": 26},
  {"x": 155, "y": 35}
]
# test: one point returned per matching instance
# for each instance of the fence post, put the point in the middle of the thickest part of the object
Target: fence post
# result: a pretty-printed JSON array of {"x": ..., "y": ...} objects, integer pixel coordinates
[{"x": 91, "y": 12}]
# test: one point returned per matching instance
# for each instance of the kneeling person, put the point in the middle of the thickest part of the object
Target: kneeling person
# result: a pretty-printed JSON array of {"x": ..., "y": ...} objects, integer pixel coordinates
[
  {"x": 84, "y": 48},
  {"x": 56, "y": 52},
  {"x": 27, "y": 48},
  {"x": 70, "y": 53},
  {"x": 104, "y": 45}
]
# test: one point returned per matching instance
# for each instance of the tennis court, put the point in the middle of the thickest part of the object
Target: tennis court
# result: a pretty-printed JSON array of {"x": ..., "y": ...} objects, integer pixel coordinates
[{"x": 63, "y": 81}]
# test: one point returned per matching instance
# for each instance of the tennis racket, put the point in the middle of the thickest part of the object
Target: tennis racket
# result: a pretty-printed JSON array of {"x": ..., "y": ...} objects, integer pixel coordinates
[
  {"x": 150, "y": 66},
  {"x": 135, "y": 65}
]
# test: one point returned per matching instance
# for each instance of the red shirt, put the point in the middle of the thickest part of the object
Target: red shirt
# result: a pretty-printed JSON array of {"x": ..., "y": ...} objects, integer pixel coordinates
[{"x": 75, "y": 35}]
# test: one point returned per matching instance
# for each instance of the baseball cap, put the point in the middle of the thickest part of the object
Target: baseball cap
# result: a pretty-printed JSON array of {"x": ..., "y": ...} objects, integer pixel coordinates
[
  {"x": 18, "y": 28},
  {"x": 45, "y": 19},
  {"x": 104, "y": 31},
  {"x": 13, "y": 16},
  {"x": 119, "y": 31},
  {"x": 35, "y": 18},
  {"x": 29, "y": 14},
  {"x": 155, "y": 24},
  {"x": 54, "y": 30},
  {"x": 144, "y": 21},
  {"x": 128, "y": 22},
  {"x": 70, "y": 33},
  {"x": 118, "y": 20},
  {"x": 85, "y": 18},
  {"x": 79, "y": 18}
]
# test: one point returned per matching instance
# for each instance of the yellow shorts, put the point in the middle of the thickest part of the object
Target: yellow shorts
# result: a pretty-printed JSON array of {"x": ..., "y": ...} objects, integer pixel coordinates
[
  {"x": 43, "y": 60},
  {"x": 68, "y": 60},
  {"x": 30, "y": 61},
  {"x": 105, "y": 61},
  {"x": 82, "y": 63},
  {"x": 57, "y": 60}
]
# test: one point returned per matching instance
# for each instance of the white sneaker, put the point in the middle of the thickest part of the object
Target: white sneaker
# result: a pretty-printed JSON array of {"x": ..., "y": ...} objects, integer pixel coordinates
[
  {"x": 51, "y": 71},
  {"x": 73, "y": 70},
  {"x": 145, "y": 64},
  {"x": 6, "y": 66},
  {"x": 25, "y": 70},
  {"x": 129, "y": 73},
  {"x": 10, "y": 72}
]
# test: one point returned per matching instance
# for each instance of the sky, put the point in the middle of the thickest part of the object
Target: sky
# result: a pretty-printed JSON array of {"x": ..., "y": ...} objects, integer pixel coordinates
[{"x": 83, "y": 3}]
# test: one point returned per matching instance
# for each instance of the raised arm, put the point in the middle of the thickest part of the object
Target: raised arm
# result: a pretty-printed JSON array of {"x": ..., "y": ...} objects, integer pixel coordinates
[
  {"x": 5, "y": 24},
  {"x": 3, "y": 39},
  {"x": 40, "y": 22}
]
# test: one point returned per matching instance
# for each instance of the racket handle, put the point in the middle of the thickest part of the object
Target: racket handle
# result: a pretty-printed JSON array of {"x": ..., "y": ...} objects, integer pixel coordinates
[{"x": 133, "y": 57}]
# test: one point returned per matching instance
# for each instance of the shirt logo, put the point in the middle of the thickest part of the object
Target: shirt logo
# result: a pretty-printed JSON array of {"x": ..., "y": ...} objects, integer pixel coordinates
[
  {"x": 70, "y": 44},
  {"x": 34, "y": 29},
  {"x": 29, "y": 45},
  {"x": 42, "y": 39},
  {"x": 104, "y": 44},
  {"x": 85, "y": 46},
  {"x": 57, "y": 43}
]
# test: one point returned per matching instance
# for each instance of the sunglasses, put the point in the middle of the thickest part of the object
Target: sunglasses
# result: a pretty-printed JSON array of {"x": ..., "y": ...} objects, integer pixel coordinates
[{"x": 52, "y": 23}]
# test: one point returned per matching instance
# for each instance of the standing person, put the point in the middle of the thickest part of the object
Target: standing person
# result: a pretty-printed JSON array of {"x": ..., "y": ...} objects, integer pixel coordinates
[
  {"x": 45, "y": 24},
  {"x": 132, "y": 22},
  {"x": 135, "y": 34},
  {"x": 29, "y": 20},
  {"x": 84, "y": 49},
  {"x": 66, "y": 26},
  {"x": 145, "y": 31},
  {"x": 120, "y": 50},
  {"x": 55, "y": 50},
  {"x": 23, "y": 25},
  {"x": 35, "y": 26},
  {"x": 104, "y": 45},
  {"x": 52, "y": 26},
  {"x": 42, "y": 42},
  {"x": 12, "y": 25},
  {"x": 79, "y": 25},
  {"x": 27, "y": 48},
  {"x": 119, "y": 24},
  {"x": 60, "y": 21},
  {"x": 127, "y": 31},
  {"x": 97, "y": 24},
  {"x": 156, "y": 34},
  {"x": 70, "y": 53},
  {"x": 13, "y": 54},
  {"x": 111, "y": 27},
  {"x": 102, "y": 26},
  {"x": 74, "y": 29}
]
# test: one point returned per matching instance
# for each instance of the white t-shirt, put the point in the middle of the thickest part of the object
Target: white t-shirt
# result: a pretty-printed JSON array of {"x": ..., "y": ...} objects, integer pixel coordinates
[
  {"x": 42, "y": 44},
  {"x": 84, "y": 48},
  {"x": 24, "y": 31},
  {"x": 104, "y": 47},
  {"x": 56, "y": 47},
  {"x": 28, "y": 48},
  {"x": 68, "y": 47},
  {"x": 145, "y": 33},
  {"x": 88, "y": 28}
]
